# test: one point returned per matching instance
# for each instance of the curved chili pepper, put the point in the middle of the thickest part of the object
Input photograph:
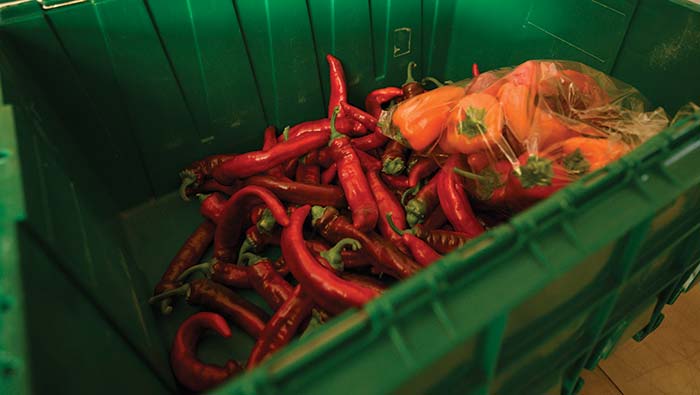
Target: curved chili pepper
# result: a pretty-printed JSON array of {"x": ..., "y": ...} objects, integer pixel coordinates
[
  {"x": 367, "y": 120},
  {"x": 188, "y": 255},
  {"x": 257, "y": 212},
  {"x": 393, "y": 158},
  {"x": 353, "y": 180},
  {"x": 424, "y": 202},
  {"x": 269, "y": 141},
  {"x": 213, "y": 206},
  {"x": 435, "y": 220},
  {"x": 218, "y": 298},
  {"x": 248, "y": 164},
  {"x": 475, "y": 70},
  {"x": 190, "y": 371},
  {"x": 339, "y": 90},
  {"x": 289, "y": 168},
  {"x": 332, "y": 259},
  {"x": 256, "y": 239},
  {"x": 299, "y": 193},
  {"x": 375, "y": 99},
  {"x": 385, "y": 256},
  {"x": 282, "y": 326},
  {"x": 194, "y": 174},
  {"x": 329, "y": 174},
  {"x": 454, "y": 201},
  {"x": 368, "y": 162},
  {"x": 369, "y": 142},
  {"x": 411, "y": 87},
  {"x": 421, "y": 251},
  {"x": 308, "y": 174},
  {"x": 355, "y": 259},
  {"x": 387, "y": 203},
  {"x": 265, "y": 280},
  {"x": 227, "y": 236},
  {"x": 365, "y": 281},
  {"x": 396, "y": 182},
  {"x": 209, "y": 186},
  {"x": 228, "y": 274},
  {"x": 422, "y": 168},
  {"x": 346, "y": 126},
  {"x": 328, "y": 290}
]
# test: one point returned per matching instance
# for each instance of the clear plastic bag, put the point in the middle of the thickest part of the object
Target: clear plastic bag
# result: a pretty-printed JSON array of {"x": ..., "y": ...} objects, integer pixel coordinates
[{"x": 526, "y": 131}]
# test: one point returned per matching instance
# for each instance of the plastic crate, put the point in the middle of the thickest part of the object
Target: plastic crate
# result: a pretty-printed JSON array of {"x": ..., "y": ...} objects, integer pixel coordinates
[{"x": 106, "y": 99}]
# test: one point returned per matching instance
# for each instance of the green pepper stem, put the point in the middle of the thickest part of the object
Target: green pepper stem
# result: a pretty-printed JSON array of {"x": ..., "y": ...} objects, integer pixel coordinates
[
  {"x": 434, "y": 80},
  {"x": 249, "y": 259},
  {"x": 183, "y": 290},
  {"x": 409, "y": 192},
  {"x": 247, "y": 246},
  {"x": 469, "y": 175},
  {"x": 409, "y": 72},
  {"x": 266, "y": 222},
  {"x": 392, "y": 225},
  {"x": 202, "y": 196},
  {"x": 204, "y": 267},
  {"x": 285, "y": 133},
  {"x": 187, "y": 179},
  {"x": 334, "y": 132},
  {"x": 393, "y": 166},
  {"x": 316, "y": 213},
  {"x": 166, "y": 306},
  {"x": 332, "y": 255}
]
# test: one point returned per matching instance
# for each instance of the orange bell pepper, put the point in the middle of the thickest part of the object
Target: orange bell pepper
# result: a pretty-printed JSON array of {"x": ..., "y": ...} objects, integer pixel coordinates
[
  {"x": 474, "y": 124},
  {"x": 584, "y": 154},
  {"x": 421, "y": 119}
]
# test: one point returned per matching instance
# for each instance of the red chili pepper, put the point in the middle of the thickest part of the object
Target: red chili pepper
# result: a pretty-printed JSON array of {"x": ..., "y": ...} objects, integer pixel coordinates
[
  {"x": 339, "y": 90},
  {"x": 367, "y": 120},
  {"x": 256, "y": 239},
  {"x": 210, "y": 186},
  {"x": 194, "y": 174},
  {"x": 248, "y": 164},
  {"x": 368, "y": 162},
  {"x": 394, "y": 158},
  {"x": 384, "y": 255},
  {"x": 329, "y": 174},
  {"x": 227, "y": 236},
  {"x": 424, "y": 202},
  {"x": 266, "y": 281},
  {"x": 282, "y": 327},
  {"x": 289, "y": 169},
  {"x": 454, "y": 200},
  {"x": 411, "y": 87},
  {"x": 308, "y": 173},
  {"x": 218, "y": 298},
  {"x": 421, "y": 251},
  {"x": 422, "y": 168},
  {"x": 213, "y": 206},
  {"x": 269, "y": 141},
  {"x": 299, "y": 193},
  {"x": 365, "y": 281},
  {"x": 369, "y": 142},
  {"x": 353, "y": 180},
  {"x": 375, "y": 99},
  {"x": 355, "y": 259},
  {"x": 396, "y": 182},
  {"x": 190, "y": 371},
  {"x": 435, "y": 220},
  {"x": 257, "y": 212},
  {"x": 188, "y": 255},
  {"x": 489, "y": 183},
  {"x": 475, "y": 70},
  {"x": 442, "y": 241},
  {"x": 346, "y": 126},
  {"x": 387, "y": 203},
  {"x": 331, "y": 258},
  {"x": 328, "y": 290}
]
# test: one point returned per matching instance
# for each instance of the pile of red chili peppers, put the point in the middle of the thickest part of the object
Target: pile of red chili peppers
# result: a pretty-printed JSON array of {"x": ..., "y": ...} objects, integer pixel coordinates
[{"x": 351, "y": 211}]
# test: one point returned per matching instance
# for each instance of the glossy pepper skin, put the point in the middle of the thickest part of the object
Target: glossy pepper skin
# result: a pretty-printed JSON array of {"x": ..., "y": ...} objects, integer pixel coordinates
[
  {"x": 387, "y": 203},
  {"x": 375, "y": 99},
  {"x": 300, "y": 193},
  {"x": 411, "y": 87},
  {"x": 346, "y": 126},
  {"x": 396, "y": 182},
  {"x": 384, "y": 255},
  {"x": 209, "y": 186},
  {"x": 421, "y": 119},
  {"x": 328, "y": 175},
  {"x": 269, "y": 141},
  {"x": 424, "y": 202},
  {"x": 213, "y": 206},
  {"x": 421, "y": 169},
  {"x": 308, "y": 173},
  {"x": 421, "y": 251},
  {"x": 339, "y": 89},
  {"x": 222, "y": 300},
  {"x": 282, "y": 326},
  {"x": 454, "y": 201},
  {"x": 188, "y": 255},
  {"x": 266, "y": 281},
  {"x": 353, "y": 180},
  {"x": 228, "y": 231},
  {"x": 369, "y": 142},
  {"x": 331, "y": 292},
  {"x": 197, "y": 172},
  {"x": 251, "y": 163},
  {"x": 188, "y": 370}
]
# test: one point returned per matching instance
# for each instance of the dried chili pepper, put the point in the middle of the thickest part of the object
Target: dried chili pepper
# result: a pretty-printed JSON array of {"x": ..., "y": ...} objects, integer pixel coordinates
[
  {"x": 339, "y": 90},
  {"x": 353, "y": 180},
  {"x": 300, "y": 193},
  {"x": 454, "y": 201},
  {"x": 387, "y": 203},
  {"x": 194, "y": 174},
  {"x": 282, "y": 326},
  {"x": 248, "y": 164},
  {"x": 266, "y": 281},
  {"x": 328, "y": 290},
  {"x": 411, "y": 87},
  {"x": 393, "y": 159},
  {"x": 420, "y": 169},
  {"x": 375, "y": 99},
  {"x": 190, "y": 371},
  {"x": 188, "y": 255},
  {"x": 218, "y": 298},
  {"x": 384, "y": 255},
  {"x": 423, "y": 202},
  {"x": 227, "y": 236},
  {"x": 329, "y": 175}
]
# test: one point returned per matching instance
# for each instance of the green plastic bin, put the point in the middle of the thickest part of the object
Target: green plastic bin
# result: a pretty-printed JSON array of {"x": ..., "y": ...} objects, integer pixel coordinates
[{"x": 104, "y": 100}]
